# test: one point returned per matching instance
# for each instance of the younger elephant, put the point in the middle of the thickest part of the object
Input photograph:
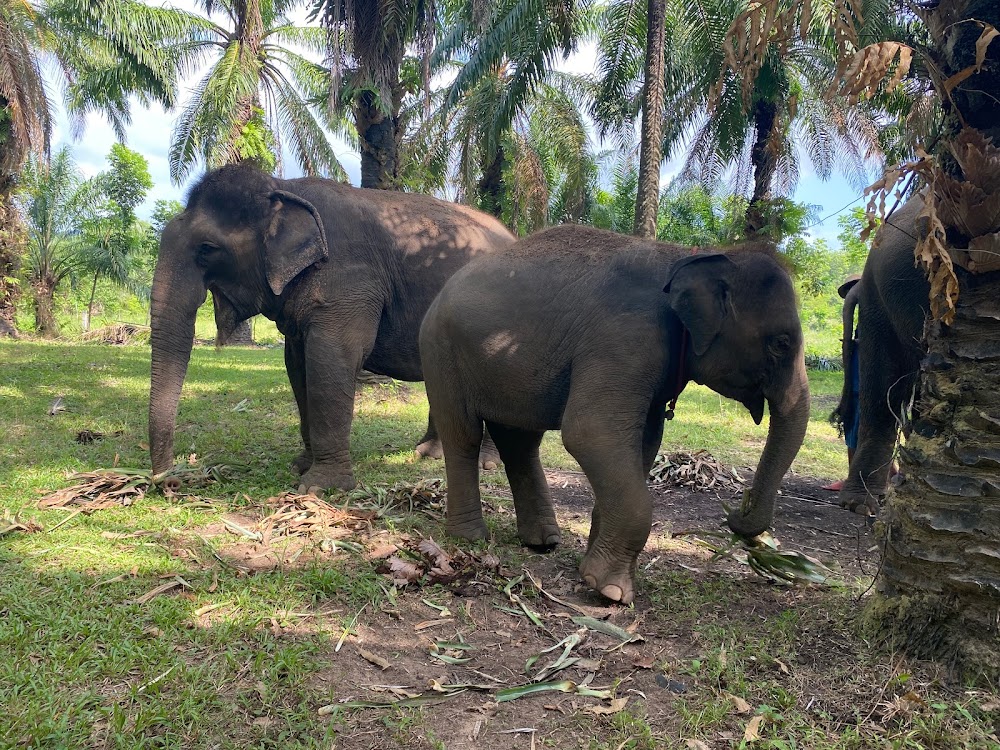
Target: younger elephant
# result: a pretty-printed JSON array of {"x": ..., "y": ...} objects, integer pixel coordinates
[
  {"x": 892, "y": 299},
  {"x": 347, "y": 275},
  {"x": 570, "y": 328}
]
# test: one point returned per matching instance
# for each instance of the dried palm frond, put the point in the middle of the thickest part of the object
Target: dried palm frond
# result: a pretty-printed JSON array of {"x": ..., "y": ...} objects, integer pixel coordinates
[
  {"x": 107, "y": 488},
  {"x": 307, "y": 515},
  {"x": 698, "y": 470},
  {"x": 11, "y": 523}
]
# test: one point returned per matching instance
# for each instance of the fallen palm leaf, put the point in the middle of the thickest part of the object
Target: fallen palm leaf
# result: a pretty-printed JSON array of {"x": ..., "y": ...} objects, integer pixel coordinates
[
  {"x": 107, "y": 488},
  {"x": 170, "y": 585},
  {"x": 10, "y": 523},
  {"x": 698, "y": 470},
  {"x": 434, "y": 565},
  {"x": 564, "y": 660},
  {"x": 528, "y": 612},
  {"x": 608, "y": 628},
  {"x": 307, "y": 515},
  {"x": 371, "y": 658},
  {"x": 451, "y": 653},
  {"x": 427, "y": 496},
  {"x": 85, "y": 437},
  {"x": 533, "y": 688},
  {"x": 766, "y": 560}
]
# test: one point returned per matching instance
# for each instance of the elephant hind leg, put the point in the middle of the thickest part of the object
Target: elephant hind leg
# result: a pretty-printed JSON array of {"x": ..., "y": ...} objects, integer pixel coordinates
[
  {"x": 460, "y": 439},
  {"x": 536, "y": 520}
]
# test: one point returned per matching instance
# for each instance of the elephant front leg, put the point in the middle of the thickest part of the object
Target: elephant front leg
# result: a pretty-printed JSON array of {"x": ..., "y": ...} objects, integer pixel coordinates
[
  {"x": 623, "y": 509},
  {"x": 332, "y": 364},
  {"x": 295, "y": 366}
]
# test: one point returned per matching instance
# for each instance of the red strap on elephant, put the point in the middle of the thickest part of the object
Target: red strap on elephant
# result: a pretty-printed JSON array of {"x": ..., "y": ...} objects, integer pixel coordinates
[{"x": 681, "y": 380}]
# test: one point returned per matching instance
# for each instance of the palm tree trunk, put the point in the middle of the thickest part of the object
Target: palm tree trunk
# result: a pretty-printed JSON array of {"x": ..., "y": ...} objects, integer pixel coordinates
[
  {"x": 764, "y": 162},
  {"x": 651, "y": 144},
  {"x": 939, "y": 592},
  {"x": 490, "y": 187},
  {"x": 243, "y": 335},
  {"x": 90, "y": 305},
  {"x": 45, "y": 318},
  {"x": 11, "y": 249},
  {"x": 379, "y": 145}
]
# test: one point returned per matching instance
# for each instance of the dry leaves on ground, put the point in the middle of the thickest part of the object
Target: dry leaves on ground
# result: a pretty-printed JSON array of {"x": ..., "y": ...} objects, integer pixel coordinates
[
  {"x": 11, "y": 523},
  {"x": 427, "y": 562},
  {"x": 307, "y": 515},
  {"x": 698, "y": 470},
  {"x": 107, "y": 488}
]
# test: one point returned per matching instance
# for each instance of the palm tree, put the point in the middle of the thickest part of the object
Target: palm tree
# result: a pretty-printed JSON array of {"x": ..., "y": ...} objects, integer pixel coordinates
[
  {"x": 107, "y": 51},
  {"x": 367, "y": 43},
  {"x": 521, "y": 138},
  {"x": 51, "y": 196},
  {"x": 938, "y": 594},
  {"x": 719, "y": 123},
  {"x": 538, "y": 170},
  {"x": 257, "y": 98}
]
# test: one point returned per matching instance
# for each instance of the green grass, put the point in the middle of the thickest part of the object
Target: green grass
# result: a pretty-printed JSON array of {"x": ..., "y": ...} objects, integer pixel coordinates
[{"x": 85, "y": 668}]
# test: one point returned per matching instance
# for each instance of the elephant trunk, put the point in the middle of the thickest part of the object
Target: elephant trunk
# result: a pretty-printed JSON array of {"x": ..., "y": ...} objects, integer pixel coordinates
[
  {"x": 176, "y": 296},
  {"x": 789, "y": 408}
]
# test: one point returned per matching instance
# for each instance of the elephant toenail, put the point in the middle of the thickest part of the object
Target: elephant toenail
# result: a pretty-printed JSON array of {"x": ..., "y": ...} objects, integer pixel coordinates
[
  {"x": 489, "y": 465},
  {"x": 614, "y": 593}
]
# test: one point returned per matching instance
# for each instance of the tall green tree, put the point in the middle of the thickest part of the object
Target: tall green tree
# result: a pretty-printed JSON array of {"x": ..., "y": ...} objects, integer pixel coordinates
[
  {"x": 106, "y": 51},
  {"x": 757, "y": 130},
  {"x": 114, "y": 240},
  {"x": 258, "y": 97}
]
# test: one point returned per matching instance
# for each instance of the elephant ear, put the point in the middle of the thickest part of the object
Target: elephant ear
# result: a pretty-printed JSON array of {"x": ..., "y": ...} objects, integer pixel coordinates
[
  {"x": 699, "y": 291},
  {"x": 295, "y": 239}
]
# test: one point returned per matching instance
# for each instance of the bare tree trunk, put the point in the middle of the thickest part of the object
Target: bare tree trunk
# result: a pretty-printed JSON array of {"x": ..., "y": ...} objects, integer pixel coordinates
[
  {"x": 939, "y": 592},
  {"x": 764, "y": 162},
  {"x": 651, "y": 145}
]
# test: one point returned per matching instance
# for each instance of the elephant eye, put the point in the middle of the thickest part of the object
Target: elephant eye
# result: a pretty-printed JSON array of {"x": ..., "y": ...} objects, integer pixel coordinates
[
  {"x": 205, "y": 251},
  {"x": 779, "y": 346}
]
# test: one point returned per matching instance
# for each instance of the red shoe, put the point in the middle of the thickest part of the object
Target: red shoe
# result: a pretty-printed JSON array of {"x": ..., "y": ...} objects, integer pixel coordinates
[{"x": 836, "y": 486}]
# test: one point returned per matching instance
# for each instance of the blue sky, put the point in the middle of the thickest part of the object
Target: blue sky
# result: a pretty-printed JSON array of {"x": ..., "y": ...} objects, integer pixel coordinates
[{"x": 149, "y": 134}]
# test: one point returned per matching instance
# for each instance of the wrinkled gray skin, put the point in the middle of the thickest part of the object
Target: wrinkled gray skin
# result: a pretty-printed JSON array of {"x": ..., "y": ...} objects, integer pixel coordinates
[
  {"x": 571, "y": 329},
  {"x": 346, "y": 274},
  {"x": 892, "y": 299}
]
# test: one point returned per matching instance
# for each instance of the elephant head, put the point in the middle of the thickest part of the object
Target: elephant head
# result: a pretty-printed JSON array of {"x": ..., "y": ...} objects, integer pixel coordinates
[
  {"x": 244, "y": 239},
  {"x": 745, "y": 342}
]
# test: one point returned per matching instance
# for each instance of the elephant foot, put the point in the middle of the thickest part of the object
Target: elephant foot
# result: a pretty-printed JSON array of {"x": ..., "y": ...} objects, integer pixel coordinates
[
  {"x": 862, "y": 504},
  {"x": 302, "y": 463},
  {"x": 430, "y": 449},
  {"x": 489, "y": 458},
  {"x": 540, "y": 536},
  {"x": 613, "y": 581},
  {"x": 472, "y": 530},
  {"x": 319, "y": 479}
]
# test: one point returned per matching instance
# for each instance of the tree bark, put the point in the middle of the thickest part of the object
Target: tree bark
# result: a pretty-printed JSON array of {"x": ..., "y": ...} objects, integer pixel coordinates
[
  {"x": 11, "y": 249},
  {"x": 764, "y": 162},
  {"x": 379, "y": 134},
  {"x": 45, "y": 318},
  {"x": 490, "y": 187},
  {"x": 651, "y": 144},
  {"x": 242, "y": 336},
  {"x": 939, "y": 592}
]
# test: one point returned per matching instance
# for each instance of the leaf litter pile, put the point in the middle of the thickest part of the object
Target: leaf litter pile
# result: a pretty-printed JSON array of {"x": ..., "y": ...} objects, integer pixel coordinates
[
  {"x": 696, "y": 471},
  {"x": 108, "y": 488}
]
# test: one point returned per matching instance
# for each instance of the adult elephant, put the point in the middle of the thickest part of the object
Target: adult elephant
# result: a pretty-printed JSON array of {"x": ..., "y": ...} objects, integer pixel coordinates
[
  {"x": 892, "y": 300},
  {"x": 570, "y": 329},
  {"x": 347, "y": 275}
]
